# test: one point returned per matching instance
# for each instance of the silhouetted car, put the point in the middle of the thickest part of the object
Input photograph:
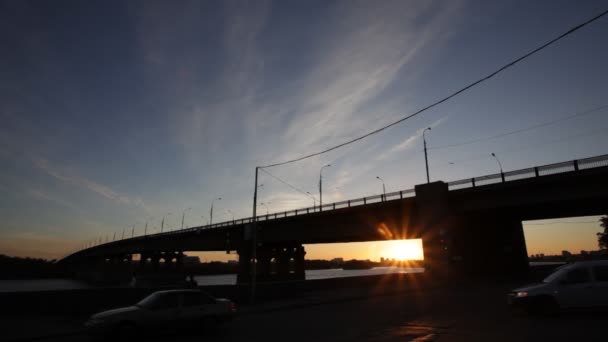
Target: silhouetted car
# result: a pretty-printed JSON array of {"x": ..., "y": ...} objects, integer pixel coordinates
[
  {"x": 163, "y": 310},
  {"x": 580, "y": 285}
]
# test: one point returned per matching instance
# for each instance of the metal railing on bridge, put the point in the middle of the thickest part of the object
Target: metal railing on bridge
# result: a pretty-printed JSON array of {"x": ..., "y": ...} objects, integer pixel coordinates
[{"x": 533, "y": 172}]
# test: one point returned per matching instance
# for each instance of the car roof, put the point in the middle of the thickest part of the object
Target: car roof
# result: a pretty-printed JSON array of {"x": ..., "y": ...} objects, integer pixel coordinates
[
  {"x": 589, "y": 263},
  {"x": 182, "y": 291}
]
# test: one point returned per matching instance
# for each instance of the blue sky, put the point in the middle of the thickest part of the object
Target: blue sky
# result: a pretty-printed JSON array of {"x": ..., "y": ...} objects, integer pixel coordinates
[{"x": 116, "y": 113}]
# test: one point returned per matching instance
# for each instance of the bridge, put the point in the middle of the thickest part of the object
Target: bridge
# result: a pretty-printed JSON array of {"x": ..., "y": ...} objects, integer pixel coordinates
[{"x": 470, "y": 226}]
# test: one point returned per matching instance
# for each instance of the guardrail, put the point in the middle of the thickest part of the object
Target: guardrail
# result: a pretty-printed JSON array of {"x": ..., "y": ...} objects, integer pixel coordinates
[{"x": 533, "y": 172}]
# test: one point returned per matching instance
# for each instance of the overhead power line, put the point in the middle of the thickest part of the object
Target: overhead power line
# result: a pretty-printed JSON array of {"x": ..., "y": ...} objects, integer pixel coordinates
[
  {"x": 584, "y": 134},
  {"x": 547, "y": 123},
  {"x": 483, "y": 79},
  {"x": 284, "y": 182}
]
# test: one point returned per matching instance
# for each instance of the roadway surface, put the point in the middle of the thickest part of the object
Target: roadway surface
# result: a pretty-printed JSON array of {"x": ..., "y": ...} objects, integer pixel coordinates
[{"x": 464, "y": 313}]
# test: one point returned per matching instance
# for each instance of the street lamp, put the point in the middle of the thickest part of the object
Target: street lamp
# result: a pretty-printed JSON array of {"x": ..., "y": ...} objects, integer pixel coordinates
[
  {"x": 162, "y": 223},
  {"x": 183, "y": 215},
  {"x": 426, "y": 159},
  {"x": 314, "y": 200},
  {"x": 383, "y": 187},
  {"x": 231, "y": 213},
  {"x": 211, "y": 210},
  {"x": 265, "y": 206},
  {"x": 321, "y": 187},
  {"x": 502, "y": 175},
  {"x": 146, "y": 226}
]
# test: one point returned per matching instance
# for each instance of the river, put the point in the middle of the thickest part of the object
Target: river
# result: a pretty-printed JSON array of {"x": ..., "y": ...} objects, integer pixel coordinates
[{"x": 25, "y": 285}]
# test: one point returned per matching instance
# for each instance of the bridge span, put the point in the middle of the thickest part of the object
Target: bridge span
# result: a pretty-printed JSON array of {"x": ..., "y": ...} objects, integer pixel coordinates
[{"x": 471, "y": 226}]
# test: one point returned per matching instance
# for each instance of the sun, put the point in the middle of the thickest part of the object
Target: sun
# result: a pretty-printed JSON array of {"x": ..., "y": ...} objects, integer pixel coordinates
[{"x": 404, "y": 250}]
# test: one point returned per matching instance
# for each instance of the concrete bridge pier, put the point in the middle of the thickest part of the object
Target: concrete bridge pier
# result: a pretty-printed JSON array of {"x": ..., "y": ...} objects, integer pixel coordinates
[
  {"x": 264, "y": 267},
  {"x": 276, "y": 262},
  {"x": 483, "y": 243},
  {"x": 244, "y": 272},
  {"x": 477, "y": 245},
  {"x": 283, "y": 257},
  {"x": 492, "y": 244},
  {"x": 152, "y": 272},
  {"x": 298, "y": 263},
  {"x": 111, "y": 269},
  {"x": 432, "y": 218}
]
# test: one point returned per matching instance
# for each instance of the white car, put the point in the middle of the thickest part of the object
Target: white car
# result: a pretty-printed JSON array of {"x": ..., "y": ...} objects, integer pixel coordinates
[
  {"x": 163, "y": 310},
  {"x": 580, "y": 285}
]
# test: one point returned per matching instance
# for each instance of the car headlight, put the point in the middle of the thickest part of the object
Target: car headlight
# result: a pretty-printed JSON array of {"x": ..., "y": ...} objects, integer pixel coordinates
[{"x": 521, "y": 294}]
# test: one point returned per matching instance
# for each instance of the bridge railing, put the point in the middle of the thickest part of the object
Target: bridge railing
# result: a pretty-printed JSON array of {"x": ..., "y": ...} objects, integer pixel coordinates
[
  {"x": 593, "y": 162},
  {"x": 532, "y": 172}
]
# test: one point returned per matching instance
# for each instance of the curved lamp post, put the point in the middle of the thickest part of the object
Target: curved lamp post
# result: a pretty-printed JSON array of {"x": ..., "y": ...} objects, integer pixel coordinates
[
  {"x": 162, "y": 223},
  {"x": 184, "y": 215},
  {"x": 321, "y": 187},
  {"x": 383, "y": 187},
  {"x": 211, "y": 210},
  {"x": 265, "y": 206},
  {"x": 502, "y": 174},
  {"x": 314, "y": 200}
]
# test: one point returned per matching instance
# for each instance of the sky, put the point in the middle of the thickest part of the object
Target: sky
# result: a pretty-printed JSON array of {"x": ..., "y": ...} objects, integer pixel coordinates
[{"x": 117, "y": 113}]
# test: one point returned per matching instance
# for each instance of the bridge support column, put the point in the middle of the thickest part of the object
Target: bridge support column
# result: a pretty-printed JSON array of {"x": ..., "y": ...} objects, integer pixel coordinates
[
  {"x": 489, "y": 244},
  {"x": 111, "y": 269},
  {"x": 478, "y": 245},
  {"x": 155, "y": 260},
  {"x": 244, "y": 273},
  {"x": 288, "y": 263},
  {"x": 264, "y": 255},
  {"x": 432, "y": 212},
  {"x": 298, "y": 263},
  {"x": 283, "y": 256},
  {"x": 152, "y": 273}
]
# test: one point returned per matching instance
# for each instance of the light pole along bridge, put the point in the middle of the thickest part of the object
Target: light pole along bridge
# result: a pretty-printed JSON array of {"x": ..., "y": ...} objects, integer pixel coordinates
[{"x": 467, "y": 226}]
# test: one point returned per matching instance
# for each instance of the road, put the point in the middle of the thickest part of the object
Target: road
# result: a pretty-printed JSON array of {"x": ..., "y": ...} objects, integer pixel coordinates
[{"x": 447, "y": 315}]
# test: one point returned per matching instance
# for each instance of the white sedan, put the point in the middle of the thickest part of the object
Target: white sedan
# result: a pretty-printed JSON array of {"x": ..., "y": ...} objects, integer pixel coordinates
[
  {"x": 580, "y": 285},
  {"x": 164, "y": 310}
]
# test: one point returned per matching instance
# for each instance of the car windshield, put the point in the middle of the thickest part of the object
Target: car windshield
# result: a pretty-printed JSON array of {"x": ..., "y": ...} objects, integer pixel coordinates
[
  {"x": 150, "y": 301},
  {"x": 557, "y": 273}
]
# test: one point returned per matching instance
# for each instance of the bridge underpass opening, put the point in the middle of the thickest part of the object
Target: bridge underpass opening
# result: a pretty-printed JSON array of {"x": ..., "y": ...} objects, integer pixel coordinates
[
  {"x": 377, "y": 253},
  {"x": 572, "y": 238},
  {"x": 322, "y": 261}
]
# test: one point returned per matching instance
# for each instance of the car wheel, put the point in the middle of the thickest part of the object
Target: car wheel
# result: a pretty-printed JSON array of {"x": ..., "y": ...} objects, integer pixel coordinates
[
  {"x": 125, "y": 331},
  {"x": 544, "y": 306},
  {"x": 210, "y": 324}
]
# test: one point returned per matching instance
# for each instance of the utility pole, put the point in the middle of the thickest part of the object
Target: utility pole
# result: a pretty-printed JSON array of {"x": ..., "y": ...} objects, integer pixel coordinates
[
  {"x": 426, "y": 160},
  {"x": 254, "y": 242}
]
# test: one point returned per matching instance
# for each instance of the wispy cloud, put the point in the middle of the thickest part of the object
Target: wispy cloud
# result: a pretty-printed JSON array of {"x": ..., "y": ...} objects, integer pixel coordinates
[
  {"x": 97, "y": 188},
  {"x": 42, "y": 195},
  {"x": 410, "y": 141},
  {"x": 342, "y": 96}
]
